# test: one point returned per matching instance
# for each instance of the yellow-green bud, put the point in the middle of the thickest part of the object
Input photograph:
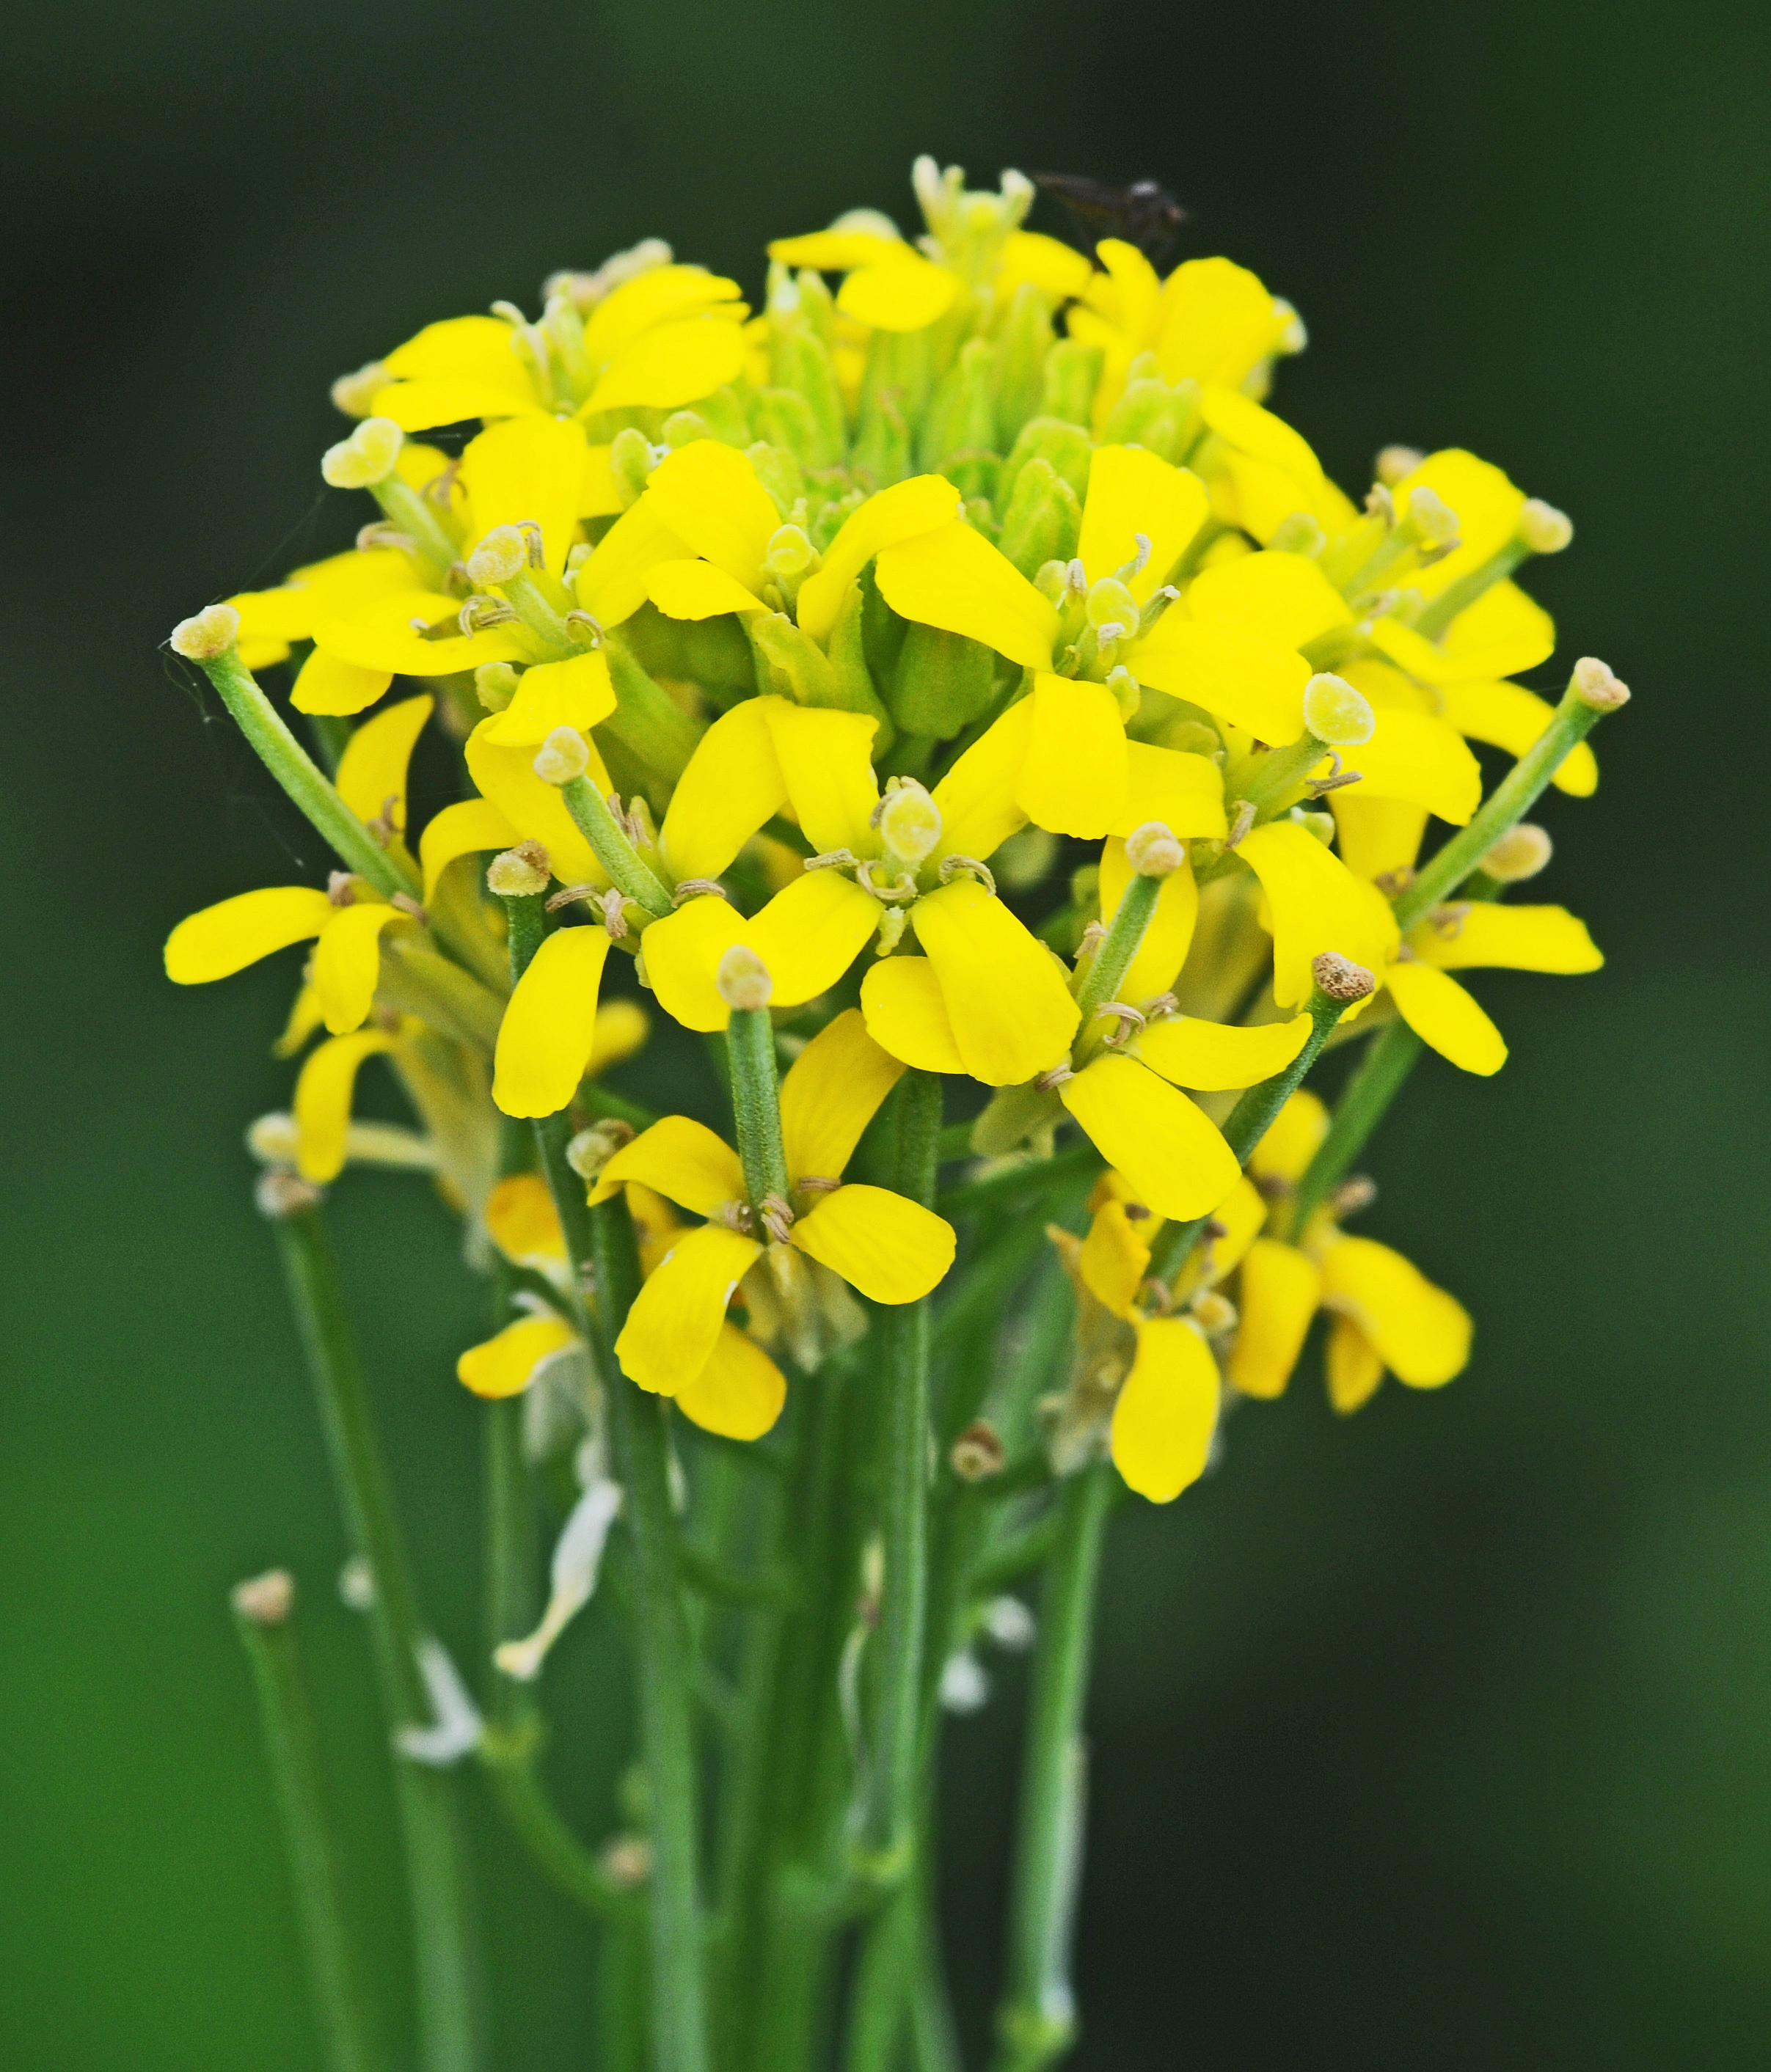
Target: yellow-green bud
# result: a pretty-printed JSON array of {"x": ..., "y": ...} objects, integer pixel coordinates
[
  {"x": 1395, "y": 462},
  {"x": 354, "y": 394},
  {"x": 1594, "y": 684},
  {"x": 909, "y": 821},
  {"x": 1433, "y": 520},
  {"x": 495, "y": 685},
  {"x": 1336, "y": 714},
  {"x": 1300, "y": 534},
  {"x": 791, "y": 554},
  {"x": 742, "y": 979},
  {"x": 503, "y": 553},
  {"x": 366, "y": 457},
  {"x": 563, "y": 756},
  {"x": 519, "y": 872},
  {"x": 1520, "y": 853},
  {"x": 1153, "y": 850},
  {"x": 208, "y": 634},
  {"x": 1543, "y": 528},
  {"x": 632, "y": 460}
]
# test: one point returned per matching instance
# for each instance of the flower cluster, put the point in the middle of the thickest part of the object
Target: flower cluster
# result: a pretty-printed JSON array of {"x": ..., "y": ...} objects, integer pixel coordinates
[{"x": 792, "y": 656}]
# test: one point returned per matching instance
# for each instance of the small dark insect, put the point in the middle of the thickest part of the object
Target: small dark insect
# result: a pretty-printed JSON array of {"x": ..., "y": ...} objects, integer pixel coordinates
[{"x": 1143, "y": 214}]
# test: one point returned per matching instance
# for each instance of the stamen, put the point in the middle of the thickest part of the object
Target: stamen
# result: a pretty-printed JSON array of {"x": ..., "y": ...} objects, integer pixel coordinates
[
  {"x": 777, "y": 1216},
  {"x": 584, "y": 628},
  {"x": 1354, "y": 1193},
  {"x": 565, "y": 898},
  {"x": 441, "y": 488},
  {"x": 592, "y": 1149},
  {"x": 408, "y": 906},
  {"x": 698, "y": 888},
  {"x": 833, "y": 859},
  {"x": 744, "y": 981},
  {"x": 956, "y": 866},
  {"x": 532, "y": 539},
  {"x": 1130, "y": 1021},
  {"x": 735, "y": 1215},
  {"x": 1047, "y": 1081},
  {"x": 1240, "y": 826},
  {"x": 1160, "y": 1008},
  {"x": 904, "y": 886},
  {"x": 816, "y": 1183},
  {"x": 978, "y": 1452},
  {"x": 341, "y": 887},
  {"x": 1447, "y": 921},
  {"x": 614, "y": 912},
  {"x": 380, "y": 533}
]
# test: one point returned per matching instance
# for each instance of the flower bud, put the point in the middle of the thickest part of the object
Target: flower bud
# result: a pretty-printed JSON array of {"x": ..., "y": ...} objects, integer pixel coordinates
[
  {"x": 1340, "y": 979},
  {"x": 563, "y": 757},
  {"x": 1520, "y": 853},
  {"x": 1543, "y": 528},
  {"x": 519, "y": 872},
  {"x": 1300, "y": 534},
  {"x": 495, "y": 685},
  {"x": 631, "y": 462},
  {"x": 1110, "y": 603},
  {"x": 366, "y": 457},
  {"x": 210, "y": 633},
  {"x": 744, "y": 981},
  {"x": 1153, "y": 851},
  {"x": 592, "y": 1149},
  {"x": 503, "y": 553},
  {"x": 354, "y": 394},
  {"x": 1594, "y": 684},
  {"x": 1432, "y": 518},
  {"x": 1214, "y": 1314},
  {"x": 1336, "y": 714},
  {"x": 909, "y": 821},
  {"x": 790, "y": 552},
  {"x": 1395, "y": 463},
  {"x": 265, "y": 1600}
]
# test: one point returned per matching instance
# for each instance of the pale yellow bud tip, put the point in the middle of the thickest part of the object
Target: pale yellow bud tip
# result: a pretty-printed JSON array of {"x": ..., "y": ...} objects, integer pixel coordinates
[
  {"x": 744, "y": 980},
  {"x": 1395, "y": 463},
  {"x": 592, "y": 1149},
  {"x": 366, "y": 457},
  {"x": 1153, "y": 849},
  {"x": 519, "y": 872},
  {"x": 1520, "y": 853},
  {"x": 495, "y": 685},
  {"x": 354, "y": 394},
  {"x": 266, "y": 1600},
  {"x": 1594, "y": 684},
  {"x": 1543, "y": 528},
  {"x": 503, "y": 553},
  {"x": 563, "y": 756},
  {"x": 1432, "y": 518},
  {"x": 1340, "y": 979},
  {"x": 208, "y": 634},
  {"x": 1336, "y": 712}
]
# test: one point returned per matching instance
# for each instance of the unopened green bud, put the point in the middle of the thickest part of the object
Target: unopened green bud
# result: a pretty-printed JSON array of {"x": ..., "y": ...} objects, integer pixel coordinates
[
  {"x": 850, "y": 666},
  {"x": 495, "y": 685},
  {"x": 942, "y": 681},
  {"x": 1067, "y": 448},
  {"x": 1318, "y": 824},
  {"x": 799, "y": 364},
  {"x": 1336, "y": 714},
  {"x": 1042, "y": 521},
  {"x": 503, "y": 553},
  {"x": 779, "y": 472},
  {"x": 742, "y": 979},
  {"x": 519, "y": 872},
  {"x": 207, "y": 635},
  {"x": 1543, "y": 528},
  {"x": 1072, "y": 373},
  {"x": 1023, "y": 343},
  {"x": 909, "y": 821},
  {"x": 366, "y": 457},
  {"x": 959, "y": 434},
  {"x": 683, "y": 428},
  {"x": 1150, "y": 413},
  {"x": 1520, "y": 854},
  {"x": 563, "y": 756},
  {"x": 632, "y": 459},
  {"x": 1395, "y": 463},
  {"x": 788, "y": 423},
  {"x": 1153, "y": 851},
  {"x": 1299, "y": 534},
  {"x": 355, "y": 393}
]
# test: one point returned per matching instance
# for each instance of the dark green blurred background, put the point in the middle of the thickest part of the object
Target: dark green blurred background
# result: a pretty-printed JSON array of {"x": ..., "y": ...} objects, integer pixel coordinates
[{"x": 1441, "y": 1737}]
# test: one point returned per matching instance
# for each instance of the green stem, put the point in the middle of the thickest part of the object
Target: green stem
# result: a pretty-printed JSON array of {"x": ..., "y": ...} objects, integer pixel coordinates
[
  {"x": 757, "y": 1102},
  {"x": 510, "y": 1763},
  {"x": 436, "y": 1861},
  {"x": 292, "y": 1743},
  {"x": 1036, "y": 2021},
  {"x": 638, "y": 1428},
  {"x": 646, "y": 718},
  {"x": 1280, "y": 771},
  {"x": 1505, "y": 806},
  {"x": 405, "y": 508},
  {"x": 632, "y": 877},
  {"x": 1113, "y": 958},
  {"x": 1394, "y": 1053},
  {"x": 295, "y": 770},
  {"x": 1037, "y": 1176},
  {"x": 331, "y": 737},
  {"x": 1459, "y": 596}
]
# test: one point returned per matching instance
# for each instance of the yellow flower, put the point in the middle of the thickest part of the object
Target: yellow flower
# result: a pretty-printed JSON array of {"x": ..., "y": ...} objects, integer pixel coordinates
[{"x": 891, "y": 1249}]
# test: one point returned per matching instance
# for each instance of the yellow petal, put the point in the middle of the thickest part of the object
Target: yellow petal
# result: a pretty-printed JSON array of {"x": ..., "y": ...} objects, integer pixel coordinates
[
  {"x": 463, "y": 829},
  {"x": 826, "y": 763},
  {"x": 1074, "y": 778},
  {"x": 1487, "y": 504},
  {"x": 1290, "y": 1144},
  {"x": 1284, "y": 598},
  {"x": 482, "y": 347},
  {"x": 681, "y": 1159},
  {"x": 1536, "y": 938},
  {"x": 322, "y": 1101},
  {"x": 1167, "y": 1412},
  {"x": 1502, "y": 634},
  {"x": 1184, "y": 791},
  {"x": 420, "y": 406},
  {"x": 1169, "y": 1149},
  {"x": 1378, "y": 837},
  {"x": 549, "y": 1025},
  {"x": 976, "y": 798},
  {"x": 1169, "y": 936},
  {"x": 1131, "y": 491},
  {"x": 682, "y": 953},
  {"x": 810, "y": 935},
  {"x": 524, "y": 1224},
  {"x": 622, "y": 1026},
  {"x": 661, "y": 294},
  {"x": 1414, "y": 757},
  {"x": 697, "y": 589},
  {"x": 1241, "y": 1214},
  {"x": 611, "y": 581},
  {"x": 576, "y": 693},
  {"x": 1058, "y": 268},
  {"x": 1127, "y": 292},
  {"x": 955, "y": 579},
  {"x": 893, "y": 1250},
  {"x": 325, "y": 685},
  {"x": 529, "y": 468},
  {"x": 1010, "y": 1010},
  {"x": 923, "y": 504},
  {"x": 1280, "y": 1290},
  {"x": 674, "y": 1325},
  {"x": 506, "y": 1365},
  {"x": 371, "y": 777},
  {"x": 902, "y": 291},
  {"x": 1246, "y": 677},
  {"x": 348, "y": 962},
  {"x": 599, "y": 495},
  {"x": 1442, "y": 1013},
  {"x": 506, "y": 776},
  {"x": 732, "y": 784},
  {"x": 1421, "y": 1334},
  {"x": 834, "y": 251},
  {"x": 655, "y": 1223},
  {"x": 1218, "y": 323},
  {"x": 674, "y": 364},
  {"x": 304, "y": 1019},
  {"x": 738, "y": 1393},
  {"x": 1317, "y": 905},
  {"x": 831, "y": 1094},
  {"x": 1241, "y": 422},
  {"x": 1115, "y": 1257},
  {"x": 900, "y": 997},
  {"x": 1353, "y": 1368},
  {"x": 1509, "y": 717},
  {"x": 1212, "y": 1057},
  {"x": 370, "y": 647},
  {"x": 710, "y": 497},
  {"x": 225, "y": 938}
]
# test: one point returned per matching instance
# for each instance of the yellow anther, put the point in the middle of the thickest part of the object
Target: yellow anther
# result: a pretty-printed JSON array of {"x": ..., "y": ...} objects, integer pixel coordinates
[
  {"x": 1336, "y": 712},
  {"x": 909, "y": 822},
  {"x": 366, "y": 457}
]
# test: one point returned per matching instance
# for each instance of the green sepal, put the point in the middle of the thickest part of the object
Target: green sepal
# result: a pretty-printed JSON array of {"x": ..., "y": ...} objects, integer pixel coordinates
[
  {"x": 1014, "y": 1117},
  {"x": 942, "y": 680},
  {"x": 895, "y": 393},
  {"x": 848, "y": 659},
  {"x": 791, "y": 663},
  {"x": 1023, "y": 344},
  {"x": 1044, "y": 520},
  {"x": 778, "y": 470},
  {"x": 1151, "y": 414},
  {"x": 646, "y": 718},
  {"x": 1072, "y": 373},
  {"x": 1065, "y": 448},
  {"x": 788, "y": 421},
  {"x": 882, "y": 630},
  {"x": 800, "y": 361},
  {"x": 962, "y": 417}
]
